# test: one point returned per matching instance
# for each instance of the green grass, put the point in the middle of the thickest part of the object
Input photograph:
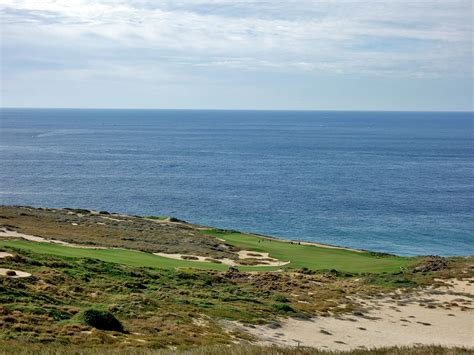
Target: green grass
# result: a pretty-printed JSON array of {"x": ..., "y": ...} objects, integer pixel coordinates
[
  {"x": 314, "y": 257},
  {"x": 300, "y": 256},
  {"x": 120, "y": 256}
]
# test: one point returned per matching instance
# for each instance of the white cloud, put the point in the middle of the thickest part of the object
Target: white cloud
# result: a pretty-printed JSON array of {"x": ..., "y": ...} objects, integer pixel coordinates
[{"x": 413, "y": 38}]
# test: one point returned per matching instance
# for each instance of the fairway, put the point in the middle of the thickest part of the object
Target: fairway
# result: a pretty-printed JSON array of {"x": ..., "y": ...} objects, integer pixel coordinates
[
  {"x": 119, "y": 256},
  {"x": 311, "y": 257},
  {"x": 314, "y": 257}
]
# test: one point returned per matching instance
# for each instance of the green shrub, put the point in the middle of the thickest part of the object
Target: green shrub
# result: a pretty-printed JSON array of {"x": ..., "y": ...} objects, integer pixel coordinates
[
  {"x": 281, "y": 307},
  {"x": 80, "y": 210},
  {"x": 189, "y": 257},
  {"x": 58, "y": 314},
  {"x": 174, "y": 219},
  {"x": 102, "y": 320},
  {"x": 186, "y": 275},
  {"x": 280, "y": 298}
]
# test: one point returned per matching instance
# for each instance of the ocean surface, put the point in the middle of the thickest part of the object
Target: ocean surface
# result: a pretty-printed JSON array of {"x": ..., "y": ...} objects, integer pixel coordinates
[{"x": 398, "y": 182}]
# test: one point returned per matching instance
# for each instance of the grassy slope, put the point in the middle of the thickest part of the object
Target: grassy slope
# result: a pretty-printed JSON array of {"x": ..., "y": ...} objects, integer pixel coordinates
[
  {"x": 120, "y": 256},
  {"x": 300, "y": 256},
  {"x": 313, "y": 257}
]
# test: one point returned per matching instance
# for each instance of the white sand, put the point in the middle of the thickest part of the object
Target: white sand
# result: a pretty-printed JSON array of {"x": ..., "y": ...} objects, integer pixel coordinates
[
  {"x": 243, "y": 254},
  {"x": 457, "y": 286},
  {"x": 115, "y": 219},
  {"x": 19, "y": 274},
  {"x": 4, "y": 255},
  {"x": 199, "y": 258},
  {"x": 32, "y": 238},
  {"x": 396, "y": 325},
  {"x": 13, "y": 234},
  {"x": 248, "y": 254}
]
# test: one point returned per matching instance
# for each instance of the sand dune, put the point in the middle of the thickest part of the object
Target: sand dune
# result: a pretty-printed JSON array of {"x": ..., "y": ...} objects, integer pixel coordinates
[{"x": 406, "y": 319}]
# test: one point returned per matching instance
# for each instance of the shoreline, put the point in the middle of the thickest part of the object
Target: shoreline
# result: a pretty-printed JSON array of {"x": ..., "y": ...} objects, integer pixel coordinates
[
  {"x": 303, "y": 242},
  {"x": 182, "y": 222},
  {"x": 197, "y": 226}
]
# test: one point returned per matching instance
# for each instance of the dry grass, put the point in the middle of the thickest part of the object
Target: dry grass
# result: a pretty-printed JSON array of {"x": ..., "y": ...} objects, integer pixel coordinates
[
  {"x": 235, "y": 349},
  {"x": 168, "y": 308}
]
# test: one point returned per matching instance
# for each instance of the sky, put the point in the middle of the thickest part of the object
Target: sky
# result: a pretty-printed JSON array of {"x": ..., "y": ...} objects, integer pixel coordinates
[{"x": 247, "y": 54}]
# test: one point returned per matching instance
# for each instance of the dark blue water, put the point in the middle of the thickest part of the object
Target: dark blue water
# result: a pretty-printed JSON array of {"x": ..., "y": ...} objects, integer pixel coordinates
[{"x": 393, "y": 182}]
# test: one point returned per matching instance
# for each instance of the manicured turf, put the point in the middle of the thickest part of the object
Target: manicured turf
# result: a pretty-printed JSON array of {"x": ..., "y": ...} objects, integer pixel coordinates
[
  {"x": 120, "y": 256},
  {"x": 311, "y": 257},
  {"x": 314, "y": 257}
]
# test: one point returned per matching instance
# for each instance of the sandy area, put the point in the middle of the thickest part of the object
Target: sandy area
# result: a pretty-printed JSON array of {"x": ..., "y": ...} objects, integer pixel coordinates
[
  {"x": 199, "y": 258},
  {"x": 397, "y": 319},
  {"x": 457, "y": 286},
  {"x": 115, "y": 219},
  {"x": 3, "y": 272},
  {"x": 248, "y": 254},
  {"x": 243, "y": 254},
  {"x": 4, "y": 233}
]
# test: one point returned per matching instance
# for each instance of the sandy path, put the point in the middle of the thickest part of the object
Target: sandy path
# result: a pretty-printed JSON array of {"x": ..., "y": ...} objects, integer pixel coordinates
[
  {"x": 116, "y": 219},
  {"x": 390, "y": 322},
  {"x": 4, "y": 233}
]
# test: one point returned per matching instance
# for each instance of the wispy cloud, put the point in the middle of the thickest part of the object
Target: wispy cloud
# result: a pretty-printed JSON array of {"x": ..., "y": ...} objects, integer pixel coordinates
[{"x": 161, "y": 40}]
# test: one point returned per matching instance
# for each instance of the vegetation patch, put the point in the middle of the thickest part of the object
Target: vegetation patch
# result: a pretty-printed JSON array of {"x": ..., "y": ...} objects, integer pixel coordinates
[
  {"x": 103, "y": 320},
  {"x": 313, "y": 257},
  {"x": 86, "y": 298},
  {"x": 283, "y": 307},
  {"x": 280, "y": 298}
]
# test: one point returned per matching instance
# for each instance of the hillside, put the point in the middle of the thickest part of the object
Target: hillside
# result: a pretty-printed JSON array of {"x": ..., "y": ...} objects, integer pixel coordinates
[
  {"x": 78, "y": 281},
  {"x": 118, "y": 237}
]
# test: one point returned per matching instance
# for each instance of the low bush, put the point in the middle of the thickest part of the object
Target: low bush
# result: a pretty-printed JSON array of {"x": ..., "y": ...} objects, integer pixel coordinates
[
  {"x": 102, "y": 320},
  {"x": 282, "y": 307},
  {"x": 280, "y": 298},
  {"x": 189, "y": 257}
]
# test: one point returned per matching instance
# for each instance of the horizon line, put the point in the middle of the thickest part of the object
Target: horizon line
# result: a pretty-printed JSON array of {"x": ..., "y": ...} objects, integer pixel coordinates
[{"x": 230, "y": 109}]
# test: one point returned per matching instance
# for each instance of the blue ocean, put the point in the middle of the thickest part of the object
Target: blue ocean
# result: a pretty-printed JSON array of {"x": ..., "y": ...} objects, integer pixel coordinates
[{"x": 397, "y": 182}]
